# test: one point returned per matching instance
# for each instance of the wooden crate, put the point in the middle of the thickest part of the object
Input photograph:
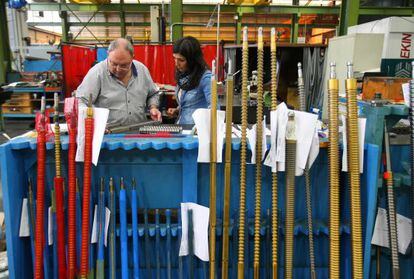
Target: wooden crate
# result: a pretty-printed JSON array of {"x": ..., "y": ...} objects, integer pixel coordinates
[
  {"x": 19, "y": 102},
  {"x": 17, "y": 109},
  {"x": 21, "y": 96},
  {"x": 389, "y": 87}
]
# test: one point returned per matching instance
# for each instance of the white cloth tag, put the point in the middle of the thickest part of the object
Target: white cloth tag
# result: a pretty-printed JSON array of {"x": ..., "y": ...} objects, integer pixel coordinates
[
  {"x": 361, "y": 136},
  {"x": 200, "y": 228},
  {"x": 202, "y": 122},
  {"x": 50, "y": 226},
  {"x": 24, "y": 230},
  {"x": 251, "y": 136},
  {"x": 94, "y": 234},
  {"x": 107, "y": 218},
  {"x": 100, "y": 118},
  {"x": 380, "y": 236}
]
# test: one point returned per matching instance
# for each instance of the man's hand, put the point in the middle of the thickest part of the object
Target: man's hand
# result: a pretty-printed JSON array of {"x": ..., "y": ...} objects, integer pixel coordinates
[
  {"x": 172, "y": 112},
  {"x": 155, "y": 114}
]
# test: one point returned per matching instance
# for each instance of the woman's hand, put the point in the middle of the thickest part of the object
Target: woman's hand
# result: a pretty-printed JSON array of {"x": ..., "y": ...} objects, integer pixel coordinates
[{"x": 172, "y": 112}]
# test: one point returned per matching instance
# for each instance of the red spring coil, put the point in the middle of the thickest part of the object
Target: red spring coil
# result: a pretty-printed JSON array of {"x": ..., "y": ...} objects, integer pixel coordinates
[
  {"x": 39, "y": 231},
  {"x": 84, "y": 263},
  {"x": 60, "y": 220},
  {"x": 72, "y": 206}
]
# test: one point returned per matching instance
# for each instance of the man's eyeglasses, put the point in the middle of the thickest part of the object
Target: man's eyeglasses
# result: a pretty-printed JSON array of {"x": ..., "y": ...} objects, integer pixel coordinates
[{"x": 120, "y": 66}]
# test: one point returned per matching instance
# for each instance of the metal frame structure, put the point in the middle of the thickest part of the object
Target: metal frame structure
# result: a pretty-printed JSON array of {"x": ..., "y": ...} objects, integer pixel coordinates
[{"x": 349, "y": 13}]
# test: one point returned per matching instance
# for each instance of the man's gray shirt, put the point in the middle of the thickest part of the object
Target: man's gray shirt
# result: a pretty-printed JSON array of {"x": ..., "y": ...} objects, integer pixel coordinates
[{"x": 127, "y": 104}]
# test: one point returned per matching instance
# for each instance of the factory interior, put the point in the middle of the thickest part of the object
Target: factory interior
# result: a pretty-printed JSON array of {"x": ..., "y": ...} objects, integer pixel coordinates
[{"x": 207, "y": 139}]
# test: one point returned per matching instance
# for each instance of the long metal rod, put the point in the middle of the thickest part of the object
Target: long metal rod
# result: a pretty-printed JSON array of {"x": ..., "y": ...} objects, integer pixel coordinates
[
  {"x": 180, "y": 259},
  {"x": 157, "y": 243},
  {"x": 213, "y": 172},
  {"x": 123, "y": 232},
  {"x": 87, "y": 170},
  {"x": 32, "y": 212},
  {"x": 40, "y": 192},
  {"x": 147, "y": 244},
  {"x": 334, "y": 190},
  {"x": 243, "y": 156},
  {"x": 275, "y": 226},
  {"x": 100, "y": 261},
  {"x": 308, "y": 186},
  {"x": 134, "y": 206},
  {"x": 290, "y": 194},
  {"x": 168, "y": 221},
  {"x": 227, "y": 174},
  {"x": 190, "y": 244},
  {"x": 71, "y": 115},
  {"x": 218, "y": 42},
  {"x": 259, "y": 140},
  {"x": 411, "y": 116},
  {"x": 353, "y": 171},
  {"x": 112, "y": 233},
  {"x": 392, "y": 218},
  {"x": 58, "y": 181}
]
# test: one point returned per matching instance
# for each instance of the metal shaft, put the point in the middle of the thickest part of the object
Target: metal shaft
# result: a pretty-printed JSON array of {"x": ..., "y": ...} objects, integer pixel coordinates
[
  {"x": 308, "y": 186},
  {"x": 353, "y": 172},
  {"x": 392, "y": 219},
  {"x": 123, "y": 235},
  {"x": 213, "y": 172},
  {"x": 112, "y": 228},
  {"x": 290, "y": 194},
  {"x": 275, "y": 228},
  {"x": 334, "y": 190},
  {"x": 227, "y": 175},
  {"x": 57, "y": 136},
  {"x": 259, "y": 140},
  {"x": 243, "y": 156},
  {"x": 60, "y": 215},
  {"x": 411, "y": 116}
]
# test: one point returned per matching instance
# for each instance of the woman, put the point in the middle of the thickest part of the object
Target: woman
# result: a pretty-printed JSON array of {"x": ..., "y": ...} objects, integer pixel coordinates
[{"x": 193, "y": 80}]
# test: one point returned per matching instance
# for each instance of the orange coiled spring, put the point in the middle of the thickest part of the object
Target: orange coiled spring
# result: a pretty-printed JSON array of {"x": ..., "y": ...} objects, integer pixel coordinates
[
  {"x": 72, "y": 206},
  {"x": 89, "y": 126},
  {"x": 60, "y": 220},
  {"x": 39, "y": 231}
]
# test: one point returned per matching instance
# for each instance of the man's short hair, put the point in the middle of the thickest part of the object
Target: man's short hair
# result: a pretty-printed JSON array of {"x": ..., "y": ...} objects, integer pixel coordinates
[{"x": 121, "y": 43}]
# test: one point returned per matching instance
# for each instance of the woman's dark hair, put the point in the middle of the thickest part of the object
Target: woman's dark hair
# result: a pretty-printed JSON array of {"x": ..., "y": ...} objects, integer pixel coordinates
[{"x": 190, "y": 48}]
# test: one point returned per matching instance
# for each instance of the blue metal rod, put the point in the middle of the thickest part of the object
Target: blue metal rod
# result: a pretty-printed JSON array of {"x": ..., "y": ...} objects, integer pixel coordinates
[
  {"x": 91, "y": 246},
  {"x": 157, "y": 242},
  {"x": 124, "y": 233},
  {"x": 135, "y": 230},
  {"x": 147, "y": 247},
  {"x": 101, "y": 234},
  {"x": 112, "y": 234},
  {"x": 46, "y": 249},
  {"x": 168, "y": 219},
  {"x": 32, "y": 213},
  {"x": 180, "y": 259}
]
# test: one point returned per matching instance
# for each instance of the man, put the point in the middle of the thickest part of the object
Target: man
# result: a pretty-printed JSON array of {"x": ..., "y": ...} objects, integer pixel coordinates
[{"x": 122, "y": 85}]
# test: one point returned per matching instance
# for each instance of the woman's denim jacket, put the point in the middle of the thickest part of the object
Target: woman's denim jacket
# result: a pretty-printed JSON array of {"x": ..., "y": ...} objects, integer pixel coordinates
[{"x": 199, "y": 97}]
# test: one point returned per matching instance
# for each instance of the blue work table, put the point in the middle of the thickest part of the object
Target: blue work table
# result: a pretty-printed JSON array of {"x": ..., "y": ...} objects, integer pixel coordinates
[{"x": 167, "y": 173}]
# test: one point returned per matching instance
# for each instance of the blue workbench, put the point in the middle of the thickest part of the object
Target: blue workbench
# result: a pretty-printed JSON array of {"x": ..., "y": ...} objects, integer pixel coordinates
[{"x": 167, "y": 173}]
